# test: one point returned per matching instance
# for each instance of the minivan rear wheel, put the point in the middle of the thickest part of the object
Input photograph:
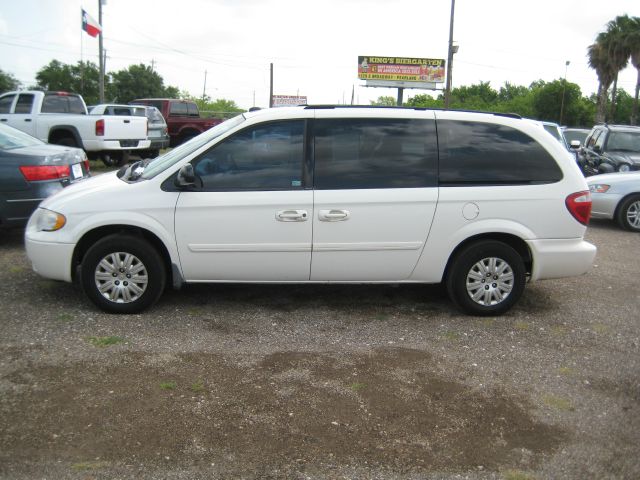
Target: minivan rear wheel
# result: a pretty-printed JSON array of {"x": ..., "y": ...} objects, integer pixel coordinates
[
  {"x": 486, "y": 278},
  {"x": 123, "y": 274}
]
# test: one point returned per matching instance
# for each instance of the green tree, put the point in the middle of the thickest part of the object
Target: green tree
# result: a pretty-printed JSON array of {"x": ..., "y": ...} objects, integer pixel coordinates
[
  {"x": 82, "y": 78},
  {"x": 425, "y": 101},
  {"x": 138, "y": 81},
  {"x": 385, "y": 101},
  {"x": 547, "y": 101},
  {"x": 219, "y": 108},
  {"x": 624, "y": 108},
  {"x": 8, "y": 82}
]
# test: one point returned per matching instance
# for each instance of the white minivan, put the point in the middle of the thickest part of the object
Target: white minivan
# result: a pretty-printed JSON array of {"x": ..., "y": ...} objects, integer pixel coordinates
[{"x": 321, "y": 194}]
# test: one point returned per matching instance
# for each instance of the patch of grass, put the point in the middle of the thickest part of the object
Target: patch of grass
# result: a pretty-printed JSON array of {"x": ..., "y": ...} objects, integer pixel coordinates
[
  {"x": 559, "y": 330},
  {"x": 522, "y": 326},
  {"x": 16, "y": 269},
  {"x": 194, "y": 312},
  {"x": 381, "y": 317},
  {"x": 600, "y": 328},
  {"x": 451, "y": 335},
  {"x": 197, "y": 386},
  {"x": 89, "y": 465},
  {"x": 487, "y": 322},
  {"x": 168, "y": 385},
  {"x": 64, "y": 317},
  {"x": 358, "y": 386},
  {"x": 566, "y": 371},
  {"x": 558, "y": 403},
  {"x": 105, "y": 341},
  {"x": 517, "y": 475}
]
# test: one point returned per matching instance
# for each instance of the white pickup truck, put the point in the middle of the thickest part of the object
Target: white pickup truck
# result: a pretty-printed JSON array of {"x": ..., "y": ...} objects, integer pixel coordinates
[{"x": 61, "y": 118}]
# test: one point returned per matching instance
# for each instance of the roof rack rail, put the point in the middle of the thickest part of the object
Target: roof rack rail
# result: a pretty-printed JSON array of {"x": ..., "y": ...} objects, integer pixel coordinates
[{"x": 329, "y": 107}]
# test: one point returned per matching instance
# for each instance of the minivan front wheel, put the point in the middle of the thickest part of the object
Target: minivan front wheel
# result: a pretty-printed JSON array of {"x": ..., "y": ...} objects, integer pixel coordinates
[
  {"x": 486, "y": 278},
  {"x": 123, "y": 274}
]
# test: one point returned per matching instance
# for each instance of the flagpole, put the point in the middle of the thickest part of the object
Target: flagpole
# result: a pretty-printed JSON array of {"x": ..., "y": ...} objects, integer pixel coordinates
[
  {"x": 100, "y": 52},
  {"x": 81, "y": 55}
]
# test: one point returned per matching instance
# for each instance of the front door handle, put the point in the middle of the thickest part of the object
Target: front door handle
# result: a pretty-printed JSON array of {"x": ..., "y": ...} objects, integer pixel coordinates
[
  {"x": 333, "y": 215},
  {"x": 292, "y": 216}
]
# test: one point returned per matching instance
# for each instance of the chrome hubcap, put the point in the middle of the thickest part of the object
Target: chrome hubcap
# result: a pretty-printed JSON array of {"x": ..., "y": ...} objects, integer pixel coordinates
[
  {"x": 490, "y": 281},
  {"x": 121, "y": 277},
  {"x": 633, "y": 214}
]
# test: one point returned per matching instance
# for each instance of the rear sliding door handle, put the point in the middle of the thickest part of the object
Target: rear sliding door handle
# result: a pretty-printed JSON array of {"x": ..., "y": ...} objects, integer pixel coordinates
[
  {"x": 333, "y": 215},
  {"x": 292, "y": 216}
]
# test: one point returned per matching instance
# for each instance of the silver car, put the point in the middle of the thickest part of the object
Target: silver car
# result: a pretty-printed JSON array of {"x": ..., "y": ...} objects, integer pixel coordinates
[{"x": 616, "y": 196}]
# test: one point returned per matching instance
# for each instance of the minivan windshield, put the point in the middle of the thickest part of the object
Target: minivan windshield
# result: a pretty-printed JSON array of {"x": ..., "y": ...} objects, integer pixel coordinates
[{"x": 160, "y": 164}]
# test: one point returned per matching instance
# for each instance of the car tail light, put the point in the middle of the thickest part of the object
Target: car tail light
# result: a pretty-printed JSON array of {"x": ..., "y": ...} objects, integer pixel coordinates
[
  {"x": 87, "y": 166},
  {"x": 579, "y": 205},
  {"x": 34, "y": 173},
  {"x": 100, "y": 128}
]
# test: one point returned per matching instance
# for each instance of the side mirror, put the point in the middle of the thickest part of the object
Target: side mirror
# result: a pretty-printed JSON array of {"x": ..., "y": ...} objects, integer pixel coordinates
[
  {"x": 575, "y": 144},
  {"x": 187, "y": 177}
]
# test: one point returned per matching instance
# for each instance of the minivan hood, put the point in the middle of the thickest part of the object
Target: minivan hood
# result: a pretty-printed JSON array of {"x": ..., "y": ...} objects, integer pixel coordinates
[{"x": 73, "y": 194}]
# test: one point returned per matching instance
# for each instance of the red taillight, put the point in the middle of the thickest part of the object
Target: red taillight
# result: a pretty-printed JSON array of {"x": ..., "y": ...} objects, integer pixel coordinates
[
  {"x": 45, "y": 172},
  {"x": 87, "y": 167},
  {"x": 100, "y": 128},
  {"x": 579, "y": 205}
]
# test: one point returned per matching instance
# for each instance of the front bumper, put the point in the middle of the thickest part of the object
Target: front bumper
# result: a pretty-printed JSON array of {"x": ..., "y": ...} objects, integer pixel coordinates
[
  {"x": 559, "y": 258},
  {"x": 49, "y": 259}
]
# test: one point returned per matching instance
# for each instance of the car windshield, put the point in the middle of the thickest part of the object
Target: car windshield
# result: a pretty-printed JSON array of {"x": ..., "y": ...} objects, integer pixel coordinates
[
  {"x": 161, "y": 163},
  {"x": 11, "y": 138},
  {"x": 624, "y": 141}
]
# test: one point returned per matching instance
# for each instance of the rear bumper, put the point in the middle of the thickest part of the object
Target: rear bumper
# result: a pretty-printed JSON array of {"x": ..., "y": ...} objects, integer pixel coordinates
[
  {"x": 561, "y": 258},
  {"x": 102, "y": 145}
]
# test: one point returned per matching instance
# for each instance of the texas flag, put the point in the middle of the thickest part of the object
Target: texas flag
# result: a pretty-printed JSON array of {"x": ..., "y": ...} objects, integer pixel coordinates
[{"x": 89, "y": 25}]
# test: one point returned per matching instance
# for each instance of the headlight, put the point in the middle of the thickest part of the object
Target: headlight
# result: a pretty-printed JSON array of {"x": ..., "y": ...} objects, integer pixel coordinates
[
  {"x": 599, "y": 188},
  {"x": 49, "y": 221}
]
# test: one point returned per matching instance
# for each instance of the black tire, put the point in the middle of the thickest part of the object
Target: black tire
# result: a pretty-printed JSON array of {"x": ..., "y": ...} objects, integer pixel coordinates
[
  {"x": 628, "y": 214},
  {"x": 496, "y": 295},
  {"x": 144, "y": 263},
  {"x": 66, "y": 142},
  {"x": 115, "y": 159}
]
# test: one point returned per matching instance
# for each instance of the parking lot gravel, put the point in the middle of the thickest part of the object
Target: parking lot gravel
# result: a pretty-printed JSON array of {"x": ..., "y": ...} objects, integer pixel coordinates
[{"x": 323, "y": 381}]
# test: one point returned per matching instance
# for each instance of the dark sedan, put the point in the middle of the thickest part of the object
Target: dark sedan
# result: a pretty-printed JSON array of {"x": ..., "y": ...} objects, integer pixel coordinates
[{"x": 30, "y": 171}]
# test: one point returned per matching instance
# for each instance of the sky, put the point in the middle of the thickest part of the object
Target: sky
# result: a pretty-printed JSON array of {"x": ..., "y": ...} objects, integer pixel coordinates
[{"x": 313, "y": 45}]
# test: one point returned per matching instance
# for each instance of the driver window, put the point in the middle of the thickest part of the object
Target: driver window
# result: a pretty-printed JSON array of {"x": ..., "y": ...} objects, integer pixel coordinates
[{"x": 264, "y": 157}]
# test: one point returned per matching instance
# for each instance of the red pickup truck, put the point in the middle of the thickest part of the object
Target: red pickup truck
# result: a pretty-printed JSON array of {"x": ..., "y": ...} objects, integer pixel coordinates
[{"x": 182, "y": 116}]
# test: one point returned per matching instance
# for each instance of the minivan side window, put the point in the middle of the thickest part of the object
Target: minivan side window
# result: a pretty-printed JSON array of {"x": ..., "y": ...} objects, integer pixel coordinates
[
  {"x": 360, "y": 153},
  {"x": 475, "y": 153},
  {"x": 263, "y": 157}
]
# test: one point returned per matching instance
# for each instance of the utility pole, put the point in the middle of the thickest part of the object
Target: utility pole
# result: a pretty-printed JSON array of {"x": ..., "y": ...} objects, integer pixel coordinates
[
  {"x": 101, "y": 54},
  {"x": 204, "y": 89},
  {"x": 564, "y": 86},
  {"x": 447, "y": 92},
  {"x": 271, "y": 86}
]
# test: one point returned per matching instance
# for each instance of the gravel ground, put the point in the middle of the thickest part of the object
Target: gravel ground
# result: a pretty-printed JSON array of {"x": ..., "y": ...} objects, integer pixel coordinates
[{"x": 384, "y": 382}]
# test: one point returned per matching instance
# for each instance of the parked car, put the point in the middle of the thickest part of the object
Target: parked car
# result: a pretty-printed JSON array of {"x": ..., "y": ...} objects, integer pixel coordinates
[
  {"x": 555, "y": 130},
  {"x": 157, "y": 131},
  {"x": 182, "y": 117},
  {"x": 30, "y": 171},
  {"x": 328, "y": 195},
  {"x": 572, "y": 135},
  {"x": 611, "y": 148},
  {"x": 61, "y": 118},
  {"x": 616, "y": 196}
]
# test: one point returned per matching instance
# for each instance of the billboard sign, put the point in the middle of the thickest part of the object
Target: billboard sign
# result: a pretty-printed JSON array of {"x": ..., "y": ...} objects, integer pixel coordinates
[
  {"x": 401, "y": 69},
  {"x": 289, "y": 100}
]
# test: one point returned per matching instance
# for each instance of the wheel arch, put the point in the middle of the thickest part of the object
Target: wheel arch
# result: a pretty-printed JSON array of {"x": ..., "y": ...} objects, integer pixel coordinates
[
  {"x": 515, "y": 242},
  {"x": 622, "y": 200},
  {"x": 90, "y": 237},
  {"x": 63, "y": 131}
]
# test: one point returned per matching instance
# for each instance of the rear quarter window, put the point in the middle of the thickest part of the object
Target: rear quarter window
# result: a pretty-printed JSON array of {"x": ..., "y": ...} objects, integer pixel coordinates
[{"x": 475, "y": 153}]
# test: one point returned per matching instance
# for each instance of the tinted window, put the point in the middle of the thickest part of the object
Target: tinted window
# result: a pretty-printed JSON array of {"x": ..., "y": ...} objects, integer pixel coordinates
[
  {"x": 54, "y": 103},
  {"x": 178, "y": 108},
  {"x": 490, "y": 154},
  {"x": 192, "y": 108},
  {"x": 264, "y": 157},
  {"x": 5, "y": 103},
  {"x": 599, "y": 141},
  {"x": 624, "y": 141},
  {"x": 24, "y": 103},
  {"x": 374, "y": 153}
]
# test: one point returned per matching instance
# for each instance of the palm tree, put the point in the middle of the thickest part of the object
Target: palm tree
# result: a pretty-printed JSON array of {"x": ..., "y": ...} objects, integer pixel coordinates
[
  {"x": 599, "y": 61},
  {"x": 632, "y": 38},
  {"x": 614, "y": 40}
]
